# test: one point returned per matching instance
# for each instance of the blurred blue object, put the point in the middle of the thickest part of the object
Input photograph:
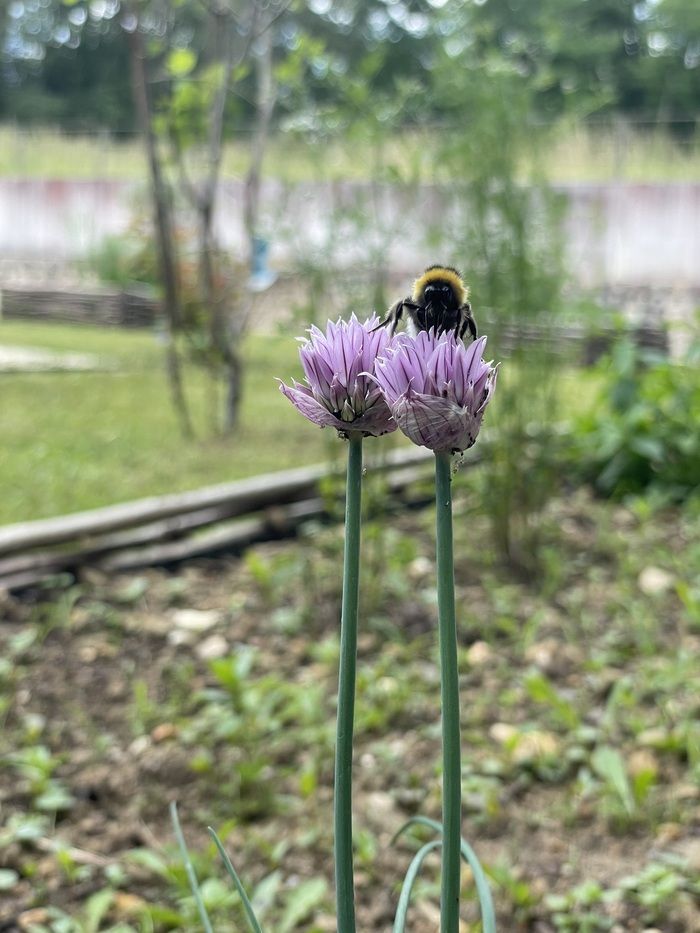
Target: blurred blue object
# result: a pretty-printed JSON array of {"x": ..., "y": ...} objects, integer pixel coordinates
[{"x": 261, "y": 276}]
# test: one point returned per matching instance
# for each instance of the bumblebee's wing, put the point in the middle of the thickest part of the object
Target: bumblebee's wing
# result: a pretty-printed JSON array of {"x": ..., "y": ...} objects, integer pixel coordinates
[{"x": 393, "y": 315}]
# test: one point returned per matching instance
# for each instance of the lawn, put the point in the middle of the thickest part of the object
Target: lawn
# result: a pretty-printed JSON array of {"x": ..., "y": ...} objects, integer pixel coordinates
[
  {"x": 595, "y": 153},
  {"x": 73, "y": 441}
]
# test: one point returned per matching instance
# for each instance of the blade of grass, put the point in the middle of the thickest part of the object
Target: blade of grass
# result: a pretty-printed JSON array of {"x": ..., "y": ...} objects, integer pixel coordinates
[
  {"x": 408, "y": 882},
  {"x": 488, "y": 914},
  {"x": 189, "y": 868},
  {"x": 247, "y": 906}
]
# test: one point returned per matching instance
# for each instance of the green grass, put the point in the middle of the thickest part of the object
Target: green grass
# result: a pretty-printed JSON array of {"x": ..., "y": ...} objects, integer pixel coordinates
[
  {"x": 74, "y": 441},
  {"x": 575, "y": 154},
  {"x": 597, "y": 154}
]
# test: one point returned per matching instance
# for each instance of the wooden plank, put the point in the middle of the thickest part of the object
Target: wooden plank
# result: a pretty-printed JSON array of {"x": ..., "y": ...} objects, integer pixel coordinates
[
  {"x": 241, "y": 497},
  {"x": 67, "y": 556},
  {"x": 227, "y": 536},
  {"x": 120, "y": 551}
]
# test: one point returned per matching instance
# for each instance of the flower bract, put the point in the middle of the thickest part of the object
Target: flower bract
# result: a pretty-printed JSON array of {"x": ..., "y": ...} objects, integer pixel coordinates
[
  {"x": 340, "y": 391},
  {"x": 437, "y": 389}
]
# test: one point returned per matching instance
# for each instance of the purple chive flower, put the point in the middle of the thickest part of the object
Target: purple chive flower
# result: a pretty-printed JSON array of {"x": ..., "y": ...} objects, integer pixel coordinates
[
  {"x": 340, "y": 391},
  {"x": 437, "y": 389}
]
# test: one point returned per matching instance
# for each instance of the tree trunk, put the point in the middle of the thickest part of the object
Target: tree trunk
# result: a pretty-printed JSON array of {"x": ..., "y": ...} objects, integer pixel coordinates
[{"x": 163, "y": 231}]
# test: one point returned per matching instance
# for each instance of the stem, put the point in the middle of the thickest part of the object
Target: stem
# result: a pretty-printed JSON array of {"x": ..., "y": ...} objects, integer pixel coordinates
[
  {"x": 449, "y": 695},
  {"x": 342, "y": 803}
]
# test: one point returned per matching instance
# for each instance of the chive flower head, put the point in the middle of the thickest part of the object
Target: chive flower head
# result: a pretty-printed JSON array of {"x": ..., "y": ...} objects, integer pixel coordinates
[
  {"x": 340, "y": 390},
  {"x": 437, "y": 389}
]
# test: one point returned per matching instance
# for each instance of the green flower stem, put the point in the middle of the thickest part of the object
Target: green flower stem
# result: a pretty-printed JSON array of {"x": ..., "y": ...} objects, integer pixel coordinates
[
  {"x": 342, "y": 803},
  {"x": 449, "y": 696}
]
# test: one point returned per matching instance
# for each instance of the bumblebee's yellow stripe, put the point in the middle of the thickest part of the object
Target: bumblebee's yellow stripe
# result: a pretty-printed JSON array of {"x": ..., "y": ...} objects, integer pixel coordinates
[{"x": 442, "y": 274}]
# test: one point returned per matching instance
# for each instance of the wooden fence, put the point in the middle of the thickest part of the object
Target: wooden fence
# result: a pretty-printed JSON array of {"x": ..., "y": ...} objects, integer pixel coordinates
[
  {"x": 101, "y": 307},
  {"x": 171, "y": 528}
]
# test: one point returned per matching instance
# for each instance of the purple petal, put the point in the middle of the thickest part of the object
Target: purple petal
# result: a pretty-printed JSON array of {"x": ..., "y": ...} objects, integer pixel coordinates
[{"x": 304, "y": 402}]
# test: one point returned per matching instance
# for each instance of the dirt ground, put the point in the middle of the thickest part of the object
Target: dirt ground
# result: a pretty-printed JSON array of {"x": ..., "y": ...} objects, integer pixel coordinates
[{"x": 214, "y": 685}]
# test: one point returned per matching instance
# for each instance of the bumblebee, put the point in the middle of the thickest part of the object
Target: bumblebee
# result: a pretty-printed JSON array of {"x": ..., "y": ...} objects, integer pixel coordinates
[{"x": 439, "y": 301}]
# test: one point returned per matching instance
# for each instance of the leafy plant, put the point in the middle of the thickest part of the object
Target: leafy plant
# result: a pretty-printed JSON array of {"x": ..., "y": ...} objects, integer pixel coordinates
[
  {"x": 36, "y": 765},
  {"x": 507, "y": 234},
  {"x": 644, "y": 434},
  {"x": 577, "y": 910}
]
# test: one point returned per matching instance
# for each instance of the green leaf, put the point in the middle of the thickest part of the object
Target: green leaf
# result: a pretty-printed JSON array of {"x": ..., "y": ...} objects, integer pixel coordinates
[
  {"x": 54, "y": 799},
  {"x": 488, "y": 914},
  {"x": 302, "y": 901},
  {"x": 266, "y": 891},
  {"x": 181, "y": 62},
  {"x": 189, "y": 868},
  {"x": 541, "y": 690},
  {"x": 146, "y": 858},
  {"x": 608, "y": 764},
  {"x": 247, "y": 906},
  {"x": 408, "y": 882},
  {"x": 96, "y": 909}
]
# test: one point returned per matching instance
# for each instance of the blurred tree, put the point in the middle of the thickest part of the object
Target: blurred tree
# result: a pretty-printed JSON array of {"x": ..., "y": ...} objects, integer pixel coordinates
[
  {"x": 500, "y": 226},
  {"x": 638, "y": 57},
  {"x": 65, "y": 63},
  {"x": 206, "y": 303}
]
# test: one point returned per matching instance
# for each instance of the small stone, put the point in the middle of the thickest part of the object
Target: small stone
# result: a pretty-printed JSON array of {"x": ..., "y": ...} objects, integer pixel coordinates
[
  {"x": 689, "y": 849},
  {"x": 533, "y": 746},
  {"x": 543, "y": 653},
  {"x": 178, "y": 637},
  {"x": 156, "y": 625},
  {"x": 139, "y": 746},
  {"x": 668, "y": 832},
  {"x": 163, "y": 732},
  {"x": 654, "y": 581},
  {"x": 87, "y": 654},
  {"x": 127, "y": 905},
  {"x": 325, "y": 923},
  {"x": 196, "y": 620},
  {"x": 479, "y": 653},
  {"x": 212, "y": 648},
  {"x": 420, "y": 568},
  {"x": 642, "y": 761},
  {"x": 654, "y": 737},
  {"x": 503, "y": 733},
  {"x": 30, "y": 918}
]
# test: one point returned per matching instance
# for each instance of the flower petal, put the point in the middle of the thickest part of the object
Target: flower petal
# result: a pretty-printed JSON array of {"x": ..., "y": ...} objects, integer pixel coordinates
[{"x": 304, "y": 402}]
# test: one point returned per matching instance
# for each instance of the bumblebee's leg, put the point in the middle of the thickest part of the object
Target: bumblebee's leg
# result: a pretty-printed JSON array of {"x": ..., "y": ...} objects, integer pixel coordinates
[
  {"x": 469, "y": 323},
  {"x": 393, "y": 317}
]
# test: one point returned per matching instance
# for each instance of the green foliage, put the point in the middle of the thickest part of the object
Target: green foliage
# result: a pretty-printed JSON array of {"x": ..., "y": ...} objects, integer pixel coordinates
[
  {"x": 660, "y": 885},
  {"x": 639, "y": 59},
  {"x": 643, "y": 435},
  {"x": 608, "y": 764},
  {"x": 571, "y": 653},
  {"x": 505, "y": 236},
  {"x": 36, "y": 765},
  {"x": 578, "y": 911}
]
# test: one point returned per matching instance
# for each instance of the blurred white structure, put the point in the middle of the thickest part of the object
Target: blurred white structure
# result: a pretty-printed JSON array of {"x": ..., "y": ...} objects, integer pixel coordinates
[{"x": 617, "y": 234}]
